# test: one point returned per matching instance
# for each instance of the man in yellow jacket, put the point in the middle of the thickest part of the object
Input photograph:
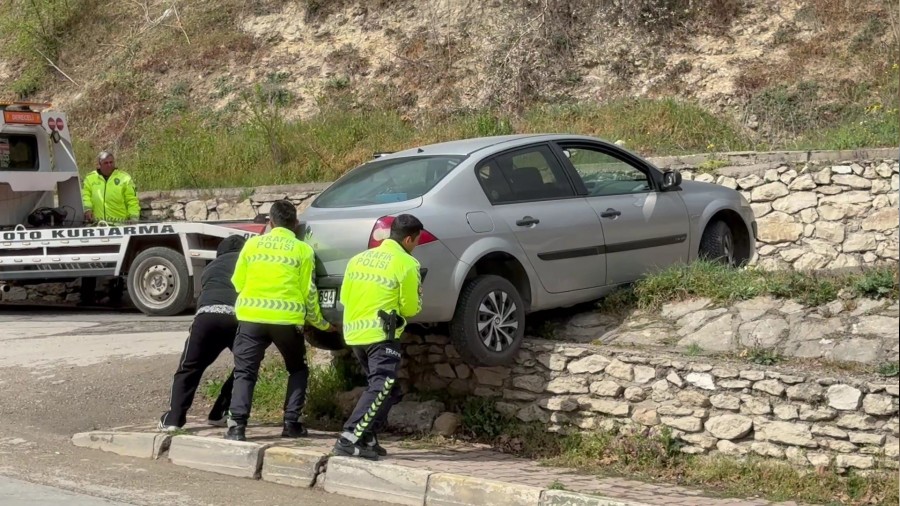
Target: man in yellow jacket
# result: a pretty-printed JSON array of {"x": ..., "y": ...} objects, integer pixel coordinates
[
  {"x": 380, "y": 291},
  {"x": 108, "y": 193},
  {"x": 277, "y": 295}
]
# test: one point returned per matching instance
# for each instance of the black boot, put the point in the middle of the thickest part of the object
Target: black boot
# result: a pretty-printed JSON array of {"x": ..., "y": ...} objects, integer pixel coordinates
[
  {"x": 344, "y": 448},
  {"x": 236, "y": 433},
  {"x": 371, "y": 442},
  {"x": 294, "y": 430}
]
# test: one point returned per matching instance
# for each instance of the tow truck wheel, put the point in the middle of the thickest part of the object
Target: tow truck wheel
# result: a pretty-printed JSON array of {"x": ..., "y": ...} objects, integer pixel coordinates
[{"x": 158, "y": 282}]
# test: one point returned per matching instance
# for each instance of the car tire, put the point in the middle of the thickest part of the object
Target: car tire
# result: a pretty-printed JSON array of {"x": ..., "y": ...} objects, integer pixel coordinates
[
  {"x": 476, "y": 334},
  {"x": 158, "y": 282},
  {"x": 717, "y": 243},
  {"x": 331, "y": 341}
]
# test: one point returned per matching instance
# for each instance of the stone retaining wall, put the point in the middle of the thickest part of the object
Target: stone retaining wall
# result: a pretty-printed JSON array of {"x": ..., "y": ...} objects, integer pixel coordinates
[
  {"x": 808, "y": 419},
  {"x": 816, "y": 210}
]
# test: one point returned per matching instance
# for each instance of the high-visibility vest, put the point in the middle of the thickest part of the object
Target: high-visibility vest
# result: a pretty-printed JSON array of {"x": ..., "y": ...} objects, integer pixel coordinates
[
  {"x": 384, "y": 278},
  {"x": 274, "y": 281},
  {"x": 111, "y": 199}
]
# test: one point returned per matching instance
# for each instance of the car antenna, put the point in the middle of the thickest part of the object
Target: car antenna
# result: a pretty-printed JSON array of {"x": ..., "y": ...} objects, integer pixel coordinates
[{"x": 420, "y": 150}]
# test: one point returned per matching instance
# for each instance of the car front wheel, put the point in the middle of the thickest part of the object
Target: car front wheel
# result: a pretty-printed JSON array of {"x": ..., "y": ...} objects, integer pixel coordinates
[
  {"x": 717, "y": 243},
  {"x": 489, "y": 325}
]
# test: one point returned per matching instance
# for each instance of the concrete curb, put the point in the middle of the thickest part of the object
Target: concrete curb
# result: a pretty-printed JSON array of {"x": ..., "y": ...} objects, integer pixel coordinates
[
  {"x": 241, "y": 459},
  {"x": 292, "y": 466},
  {"x": 457, "y": 490},
  {"x": 565, "y": 498},
  {"x": 130, "y": 444},
  {"x": 351, "y": 477},
  {"x": 363, "y": 479}
]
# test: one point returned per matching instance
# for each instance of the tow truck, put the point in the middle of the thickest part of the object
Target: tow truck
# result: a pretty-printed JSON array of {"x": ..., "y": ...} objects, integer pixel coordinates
[{"x": 43, "y": 236}]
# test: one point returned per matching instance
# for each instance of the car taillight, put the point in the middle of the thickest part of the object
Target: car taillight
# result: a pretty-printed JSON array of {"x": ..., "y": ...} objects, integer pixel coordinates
[{"x": 382, "y": 230}]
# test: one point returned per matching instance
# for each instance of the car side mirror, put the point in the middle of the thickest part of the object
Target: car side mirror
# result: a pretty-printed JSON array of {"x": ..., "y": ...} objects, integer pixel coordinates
[{"x": 671, "y": 180}]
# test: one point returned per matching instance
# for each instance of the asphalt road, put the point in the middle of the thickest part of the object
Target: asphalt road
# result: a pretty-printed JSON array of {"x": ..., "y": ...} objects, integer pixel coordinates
[
  {"x": 22, "y": 493},
  {"x": 68, "y": 371}
]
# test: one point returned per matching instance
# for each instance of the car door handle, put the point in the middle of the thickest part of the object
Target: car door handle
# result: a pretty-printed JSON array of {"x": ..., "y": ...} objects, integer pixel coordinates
[
  {"x": 527, "y": 221},
  {"x": 610, "y": 213}
]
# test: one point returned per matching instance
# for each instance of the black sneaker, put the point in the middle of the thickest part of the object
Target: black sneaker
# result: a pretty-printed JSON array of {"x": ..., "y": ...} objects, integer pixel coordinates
[
  {"x": 344, "y": 448},
  {"x": 294, "y": 430},
  {"x": 236, "y": 433},
  {"x": 371, "y": 442}
]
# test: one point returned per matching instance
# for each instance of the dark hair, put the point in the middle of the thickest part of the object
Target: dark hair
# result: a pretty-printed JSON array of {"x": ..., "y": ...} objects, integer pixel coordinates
[
  {"x": 283, "y": 214},
  {"x": 231, "y": 244},
  {"x": 405, "y": 225}
]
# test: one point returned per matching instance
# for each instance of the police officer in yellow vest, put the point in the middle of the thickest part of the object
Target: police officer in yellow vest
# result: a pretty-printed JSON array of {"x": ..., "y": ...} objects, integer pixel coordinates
[
  {"x": 108, "y": 193},
  {"x": 381, "y": 289},
  {"x": 276, "y": 296}
]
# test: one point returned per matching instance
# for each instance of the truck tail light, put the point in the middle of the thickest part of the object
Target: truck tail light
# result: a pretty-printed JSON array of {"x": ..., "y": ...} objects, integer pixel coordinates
[{"x": 382, "y": 230}]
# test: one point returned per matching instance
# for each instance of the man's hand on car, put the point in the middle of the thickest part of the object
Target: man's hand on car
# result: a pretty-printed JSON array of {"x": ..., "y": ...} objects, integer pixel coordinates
[{"x": 89, "y": 216}]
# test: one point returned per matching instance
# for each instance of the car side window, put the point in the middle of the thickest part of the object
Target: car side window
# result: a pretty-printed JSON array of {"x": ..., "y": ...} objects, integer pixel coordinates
[
  {"x": 493, "y": 183},
  {"x": 534, "y": 174},
  {"x": 605, "y": 174}
]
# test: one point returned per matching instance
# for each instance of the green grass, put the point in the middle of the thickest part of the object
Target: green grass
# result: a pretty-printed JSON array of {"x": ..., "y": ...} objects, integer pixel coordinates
[
  {"x": 726, "y": 285},
  {"x": 889, "y": 369},
  {"x": 763, "y": 356},
  {"x": 321, "y": 409},
  {"x": 185, "y": 148},
  {"x": 199, "y": 149},
  {"x": 694, "y": 350},
  {"x": 656, "y": 456}
]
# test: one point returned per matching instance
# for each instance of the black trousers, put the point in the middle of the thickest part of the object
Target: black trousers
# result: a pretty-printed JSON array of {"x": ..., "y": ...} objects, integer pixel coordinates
[
  {"x": 381, "y": 362},
  {"x": 210, "y": 334},
  {"x": 250, "y": 348}
]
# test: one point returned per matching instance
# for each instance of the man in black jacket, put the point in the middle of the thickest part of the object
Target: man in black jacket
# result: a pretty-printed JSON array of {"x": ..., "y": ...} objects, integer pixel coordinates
[{"x": 213, "y": 330}]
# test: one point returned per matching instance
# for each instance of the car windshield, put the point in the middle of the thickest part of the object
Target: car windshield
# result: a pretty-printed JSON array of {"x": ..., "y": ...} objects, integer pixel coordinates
[{"x": 391, "y": 180}]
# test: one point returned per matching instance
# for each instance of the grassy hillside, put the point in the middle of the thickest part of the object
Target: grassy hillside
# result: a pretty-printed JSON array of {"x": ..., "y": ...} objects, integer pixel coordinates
[{"x": 213, "y": 93}]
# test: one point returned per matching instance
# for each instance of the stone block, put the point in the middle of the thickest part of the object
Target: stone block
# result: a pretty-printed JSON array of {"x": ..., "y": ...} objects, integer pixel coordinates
[
  {"x": 376, "y": 481},
  {"x": 292, "y": 466},
  {"x": 796, "y": 434},
  {"x": 456, "y": 490},
  {"x": 856, "y": 461},
  {"x": 242, "y": 459},
  {"x": 145, "y": 445},
  {"x": 729, "y": 426}
]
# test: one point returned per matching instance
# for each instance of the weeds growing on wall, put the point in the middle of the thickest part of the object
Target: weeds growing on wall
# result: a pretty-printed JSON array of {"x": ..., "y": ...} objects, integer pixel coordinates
[{"x": 724, "y": 285}]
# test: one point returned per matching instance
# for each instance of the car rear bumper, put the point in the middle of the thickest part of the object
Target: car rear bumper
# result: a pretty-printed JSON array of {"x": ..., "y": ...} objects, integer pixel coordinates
[
  {"x": 330, "y": 295},
  {"x": 439, "y": 268}
]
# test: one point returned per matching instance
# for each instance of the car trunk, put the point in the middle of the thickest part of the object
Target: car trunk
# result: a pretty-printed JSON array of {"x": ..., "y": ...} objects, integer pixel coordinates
[{"x": 336, "y": 234}]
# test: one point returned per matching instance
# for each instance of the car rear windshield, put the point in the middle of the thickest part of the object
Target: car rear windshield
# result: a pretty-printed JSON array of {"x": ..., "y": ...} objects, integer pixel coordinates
[
  {"x": 390, "y": 180},
  {"x": 18, "y": 152}
]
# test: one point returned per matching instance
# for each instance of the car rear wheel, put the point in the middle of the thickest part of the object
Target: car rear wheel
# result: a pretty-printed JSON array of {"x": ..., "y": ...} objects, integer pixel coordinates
[
  {"x": 717, "y": 243},
  {"x": 158, "y": 282},
  {"x": 489, "y": 325}
]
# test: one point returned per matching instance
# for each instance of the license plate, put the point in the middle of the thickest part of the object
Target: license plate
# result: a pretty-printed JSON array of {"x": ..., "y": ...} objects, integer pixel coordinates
[{"x": 327, "y": 297}]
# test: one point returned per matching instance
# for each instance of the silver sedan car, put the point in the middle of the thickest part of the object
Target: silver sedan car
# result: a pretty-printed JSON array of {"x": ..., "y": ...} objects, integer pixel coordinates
[{"x": 522, "y": 223}]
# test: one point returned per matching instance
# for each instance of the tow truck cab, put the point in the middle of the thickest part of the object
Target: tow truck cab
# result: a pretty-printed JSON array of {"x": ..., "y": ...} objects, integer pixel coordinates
[{"x": 37, "y": 163}]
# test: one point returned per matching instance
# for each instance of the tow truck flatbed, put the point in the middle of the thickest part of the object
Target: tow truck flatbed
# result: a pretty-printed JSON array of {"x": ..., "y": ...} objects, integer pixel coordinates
[{"x": 43, "y": 236}]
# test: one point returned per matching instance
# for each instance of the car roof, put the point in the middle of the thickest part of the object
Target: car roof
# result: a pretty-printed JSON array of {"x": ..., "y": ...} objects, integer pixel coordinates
[{"x": 467, "y": 147}]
